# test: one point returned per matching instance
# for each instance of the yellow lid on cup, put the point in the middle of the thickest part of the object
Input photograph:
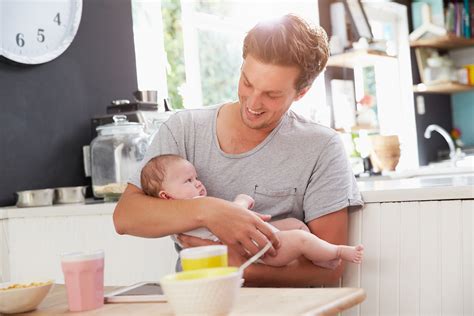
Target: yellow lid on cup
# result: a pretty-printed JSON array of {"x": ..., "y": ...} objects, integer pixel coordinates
[{"x": 204, "y": 257}]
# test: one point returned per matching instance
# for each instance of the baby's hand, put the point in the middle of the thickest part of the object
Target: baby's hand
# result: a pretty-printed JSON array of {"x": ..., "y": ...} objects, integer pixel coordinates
[{"x": 245, "y": 201}]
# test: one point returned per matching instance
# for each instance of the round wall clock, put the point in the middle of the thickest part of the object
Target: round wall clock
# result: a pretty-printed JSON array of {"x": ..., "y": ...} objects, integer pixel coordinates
[{"x": 37, "y": 31}]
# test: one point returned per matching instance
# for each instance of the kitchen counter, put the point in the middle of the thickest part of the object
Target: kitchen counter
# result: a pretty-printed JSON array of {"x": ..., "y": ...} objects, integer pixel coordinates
[
  {"x": 250, "y": 301},
  {"x": 58, "y": 210},
  {"x": 447, "y": 187},
  {"x": 380, "y": 189}
]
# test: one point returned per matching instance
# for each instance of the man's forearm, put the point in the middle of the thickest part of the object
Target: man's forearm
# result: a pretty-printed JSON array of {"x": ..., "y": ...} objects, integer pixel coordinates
[
  {"x": 300, "y": 273},
  {"x": 140, "y": 215}
]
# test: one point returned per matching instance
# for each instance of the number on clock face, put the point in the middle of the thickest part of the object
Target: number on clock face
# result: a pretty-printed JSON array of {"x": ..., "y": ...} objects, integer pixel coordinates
[{"x": 37, "y": 31}]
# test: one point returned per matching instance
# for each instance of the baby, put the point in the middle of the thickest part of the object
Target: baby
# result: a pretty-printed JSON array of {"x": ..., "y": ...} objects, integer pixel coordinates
[{"x": 173, "y": 177}]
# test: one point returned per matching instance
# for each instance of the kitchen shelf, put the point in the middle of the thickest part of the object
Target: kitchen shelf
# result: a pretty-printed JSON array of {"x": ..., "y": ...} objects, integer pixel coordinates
[
  {"x": 444, "y": 88},
  {"x": 448, "y": 41},
  {"x": 363, "y": 57}
]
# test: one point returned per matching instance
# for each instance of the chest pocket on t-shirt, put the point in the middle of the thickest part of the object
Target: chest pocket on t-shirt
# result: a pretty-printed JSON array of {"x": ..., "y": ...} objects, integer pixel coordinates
[{"x": 278, "y": 203}]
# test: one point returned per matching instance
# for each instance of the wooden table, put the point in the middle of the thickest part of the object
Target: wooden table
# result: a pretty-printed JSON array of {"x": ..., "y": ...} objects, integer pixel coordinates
[{"x": 251, "y": 301}]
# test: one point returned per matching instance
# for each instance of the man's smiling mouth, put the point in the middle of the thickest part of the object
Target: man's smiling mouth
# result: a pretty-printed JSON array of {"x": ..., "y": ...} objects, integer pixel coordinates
[{"x": 254, "y": 112}]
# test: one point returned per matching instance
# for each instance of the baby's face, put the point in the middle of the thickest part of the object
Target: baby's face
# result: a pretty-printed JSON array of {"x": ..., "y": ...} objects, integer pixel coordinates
[{"x": 181, "y": 181}]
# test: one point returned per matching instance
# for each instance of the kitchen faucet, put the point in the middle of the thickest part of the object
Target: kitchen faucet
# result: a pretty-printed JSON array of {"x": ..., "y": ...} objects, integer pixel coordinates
[{"x": 452, "y": 151}]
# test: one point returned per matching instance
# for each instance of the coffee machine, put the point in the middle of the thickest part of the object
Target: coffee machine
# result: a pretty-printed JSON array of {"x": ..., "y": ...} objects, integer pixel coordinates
[{"x": 144, "y": 109}]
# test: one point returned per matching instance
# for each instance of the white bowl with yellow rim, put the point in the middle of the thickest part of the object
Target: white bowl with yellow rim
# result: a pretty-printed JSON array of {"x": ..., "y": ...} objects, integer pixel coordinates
[{"x": 211, "y": 291}]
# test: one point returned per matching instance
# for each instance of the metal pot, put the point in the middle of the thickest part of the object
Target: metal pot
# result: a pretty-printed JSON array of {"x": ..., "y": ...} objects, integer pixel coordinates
[
  {"x": 70, "y": 195},
  {"x": 32, "y": 198}
]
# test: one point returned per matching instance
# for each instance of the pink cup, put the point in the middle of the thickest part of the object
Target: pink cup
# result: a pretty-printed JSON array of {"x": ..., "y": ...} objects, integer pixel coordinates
[{"x": 84, "y": 278}]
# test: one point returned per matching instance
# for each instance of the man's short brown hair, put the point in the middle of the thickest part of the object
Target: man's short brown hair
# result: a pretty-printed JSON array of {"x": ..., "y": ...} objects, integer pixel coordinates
[
  {"x": 289, "y": 41},
  {"x": 154, "y": 172}
]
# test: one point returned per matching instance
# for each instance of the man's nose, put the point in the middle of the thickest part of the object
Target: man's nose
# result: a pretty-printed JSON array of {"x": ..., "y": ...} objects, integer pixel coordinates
[
  {"x": 198, "y": 183},
  {"x": 253, "y": 100}
]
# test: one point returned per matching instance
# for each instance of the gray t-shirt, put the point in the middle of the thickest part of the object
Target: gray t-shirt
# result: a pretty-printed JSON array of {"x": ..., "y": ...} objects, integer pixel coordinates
[{"x": 300, "y": 170}]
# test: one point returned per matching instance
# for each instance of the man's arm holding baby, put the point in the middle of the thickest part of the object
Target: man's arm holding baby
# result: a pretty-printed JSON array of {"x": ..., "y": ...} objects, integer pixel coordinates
[
  {"x": 302, "y": 272},
  {"x": 141, "y": 215}
]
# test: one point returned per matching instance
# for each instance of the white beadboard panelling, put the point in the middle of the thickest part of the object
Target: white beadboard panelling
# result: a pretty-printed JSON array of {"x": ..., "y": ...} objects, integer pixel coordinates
[
  {"x": 451, "y": 261},
  {"x": 36, "y": 244},
  {"x": 352, "y": 271},
  {"x": 4, "y": 251},
  {"x": 467, "y": 218},
  {"x": 370, "y": 268},
  {"x": 419, "y": 258},
  {"x": 351, "y": 277},
  {"x": 389, "y": 258},
  {"x": 409, "y": 259},
  {"x": 430, "y": 259}
]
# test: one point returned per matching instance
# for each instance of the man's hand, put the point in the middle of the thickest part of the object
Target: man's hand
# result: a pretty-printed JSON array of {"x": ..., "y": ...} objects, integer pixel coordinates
[{"x": 239, "y": 228}]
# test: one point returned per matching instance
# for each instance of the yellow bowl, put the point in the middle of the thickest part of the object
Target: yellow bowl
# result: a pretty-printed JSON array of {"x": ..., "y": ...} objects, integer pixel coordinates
[
  {"x": 210, "y": 291},
  {"x": 200, "y": 274}
]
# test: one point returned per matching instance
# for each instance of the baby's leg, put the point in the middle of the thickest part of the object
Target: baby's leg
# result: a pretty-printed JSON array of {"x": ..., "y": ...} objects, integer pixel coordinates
[
  {"x": 290, "y": 248},
  {"x": 290, "y": 224},
  {"x": 348, "y": 253},
  {"x": 295, "y": 243}
]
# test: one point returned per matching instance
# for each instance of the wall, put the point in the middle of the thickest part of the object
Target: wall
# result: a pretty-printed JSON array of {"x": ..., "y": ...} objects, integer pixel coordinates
[
  {"x": 463, "y": 116},
  {"x": 437, "y": 111},
  {"x": 463, "y": 103},
  {"x": 46, "y": 109}
]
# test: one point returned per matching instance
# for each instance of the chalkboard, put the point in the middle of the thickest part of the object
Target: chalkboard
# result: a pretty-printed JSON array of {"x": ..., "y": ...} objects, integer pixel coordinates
[{"x": 46, "y": 110}]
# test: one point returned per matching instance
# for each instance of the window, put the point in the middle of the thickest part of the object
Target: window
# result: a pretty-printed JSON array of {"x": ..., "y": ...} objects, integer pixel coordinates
[{"x": 202, "y": 40}]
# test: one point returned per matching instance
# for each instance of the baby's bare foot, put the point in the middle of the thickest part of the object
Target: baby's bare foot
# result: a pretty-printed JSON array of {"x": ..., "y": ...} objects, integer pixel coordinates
[
  {"x": 331, "y": 264},
  {"x": 352, "y": 254}
]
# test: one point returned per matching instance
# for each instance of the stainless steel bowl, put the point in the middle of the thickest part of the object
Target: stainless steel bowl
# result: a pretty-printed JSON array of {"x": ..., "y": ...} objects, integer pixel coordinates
[
  {"x": 31, "y": 198},
  {"x": 70, "y": 195}
]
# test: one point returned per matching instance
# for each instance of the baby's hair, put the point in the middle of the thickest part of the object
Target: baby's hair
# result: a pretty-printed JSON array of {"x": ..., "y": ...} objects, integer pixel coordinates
[{"x": 154, "y": 172}]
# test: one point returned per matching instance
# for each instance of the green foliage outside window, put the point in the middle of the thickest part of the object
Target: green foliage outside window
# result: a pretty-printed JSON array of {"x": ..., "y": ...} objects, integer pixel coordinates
[
  {"x": 220, "y": 60},
  {"x": 173, "y": 38},
  {"x": 219, "y": 55}
]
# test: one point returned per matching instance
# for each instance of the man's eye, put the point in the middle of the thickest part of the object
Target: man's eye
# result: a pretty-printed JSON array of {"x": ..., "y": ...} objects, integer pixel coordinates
[
  {"x": 273, "y": 97},
  {"x": 246, "y": 84},
  {"x": 189, "y": 180}
]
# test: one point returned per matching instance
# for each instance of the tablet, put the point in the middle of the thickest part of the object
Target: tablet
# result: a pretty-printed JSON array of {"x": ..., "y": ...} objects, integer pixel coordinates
[{"x": 140, "y": 292}]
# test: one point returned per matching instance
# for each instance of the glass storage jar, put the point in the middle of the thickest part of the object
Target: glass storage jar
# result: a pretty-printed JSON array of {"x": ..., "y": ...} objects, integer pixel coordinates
[{"x": 115, "y": 155}]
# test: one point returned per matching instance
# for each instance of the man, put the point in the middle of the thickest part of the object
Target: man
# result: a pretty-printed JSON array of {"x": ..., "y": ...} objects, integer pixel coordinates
[{"x": 292, "y": 167}]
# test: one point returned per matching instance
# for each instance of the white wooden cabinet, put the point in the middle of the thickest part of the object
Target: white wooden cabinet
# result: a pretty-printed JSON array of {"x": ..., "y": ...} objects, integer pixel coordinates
[
  {"x": 418, "y": 236},
  {"x": 418, "y": 258},
  {"x": 30, "y": 245}
]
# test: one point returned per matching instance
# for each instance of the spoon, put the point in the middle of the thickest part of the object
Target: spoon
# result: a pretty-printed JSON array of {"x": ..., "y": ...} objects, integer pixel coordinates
[{"x": 255, "y": 257}]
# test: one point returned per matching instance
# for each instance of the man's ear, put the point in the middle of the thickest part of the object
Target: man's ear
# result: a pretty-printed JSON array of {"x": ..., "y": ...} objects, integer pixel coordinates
[
  {"x": 302, "y": 93},
  {"x": 163, "y": 195}
]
